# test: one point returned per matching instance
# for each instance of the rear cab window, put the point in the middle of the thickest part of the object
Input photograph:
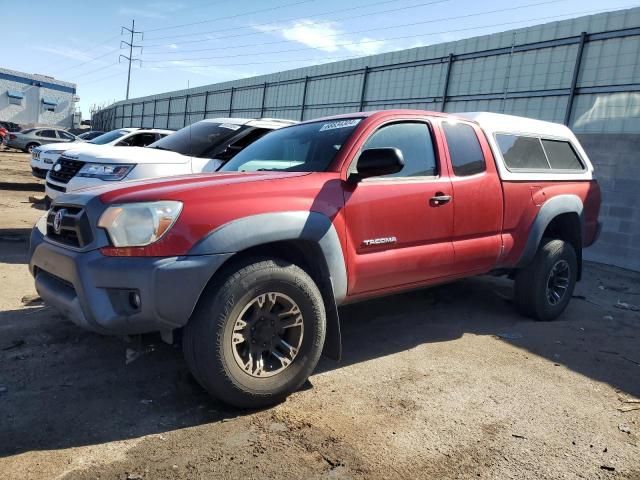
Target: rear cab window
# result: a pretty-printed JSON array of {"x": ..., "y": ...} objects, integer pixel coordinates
[{"x": 465, "y": 151}]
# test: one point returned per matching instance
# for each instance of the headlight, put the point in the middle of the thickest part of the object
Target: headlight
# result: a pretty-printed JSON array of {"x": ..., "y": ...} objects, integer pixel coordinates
[
  {"x": 105, "y": 171},
  {"x": 139, "y": 224},
  {"x": 54, "y": 152}
]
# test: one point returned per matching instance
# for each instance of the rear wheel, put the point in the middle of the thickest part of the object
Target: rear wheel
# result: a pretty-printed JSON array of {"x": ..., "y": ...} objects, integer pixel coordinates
[
  {"x": 256, "y": 334},
  {"x": 544, "y": 288},
  {"x": 29, "y": 148}
]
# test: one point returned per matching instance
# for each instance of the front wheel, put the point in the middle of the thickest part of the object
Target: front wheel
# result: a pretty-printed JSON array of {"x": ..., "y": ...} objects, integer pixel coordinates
[
  {"x": 256, "y": 334},
  {"x": 544, "y": 288}
]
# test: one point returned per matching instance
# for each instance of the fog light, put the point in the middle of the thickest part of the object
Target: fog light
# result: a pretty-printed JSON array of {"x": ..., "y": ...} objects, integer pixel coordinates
[{"x": 134, "y": 300}]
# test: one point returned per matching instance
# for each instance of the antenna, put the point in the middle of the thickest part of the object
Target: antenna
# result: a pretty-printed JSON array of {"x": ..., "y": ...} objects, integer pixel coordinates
[{"x": 131, "y": 46}]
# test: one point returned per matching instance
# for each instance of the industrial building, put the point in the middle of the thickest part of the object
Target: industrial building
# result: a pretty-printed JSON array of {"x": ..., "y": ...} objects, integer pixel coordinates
[
  {"x": 584, "y": 72},
  {"x": 37, "y": 100}
]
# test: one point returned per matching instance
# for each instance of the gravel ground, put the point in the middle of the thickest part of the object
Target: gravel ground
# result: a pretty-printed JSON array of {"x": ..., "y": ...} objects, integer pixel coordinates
[{"x": 446, "y": 383}]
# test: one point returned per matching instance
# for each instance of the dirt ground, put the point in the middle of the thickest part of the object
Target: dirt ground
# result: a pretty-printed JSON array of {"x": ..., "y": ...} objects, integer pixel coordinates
[{"x": 446, "y": 383}]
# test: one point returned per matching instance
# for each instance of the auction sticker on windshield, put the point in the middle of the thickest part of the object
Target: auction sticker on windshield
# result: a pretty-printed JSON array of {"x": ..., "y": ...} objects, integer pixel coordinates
[
  {"x": 230, "y": 126},
  {"x": 340, "y": 124}
]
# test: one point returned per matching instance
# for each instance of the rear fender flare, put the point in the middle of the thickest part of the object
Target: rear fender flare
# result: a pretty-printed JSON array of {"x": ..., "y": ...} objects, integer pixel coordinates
[{"x": 553, "y": 207}]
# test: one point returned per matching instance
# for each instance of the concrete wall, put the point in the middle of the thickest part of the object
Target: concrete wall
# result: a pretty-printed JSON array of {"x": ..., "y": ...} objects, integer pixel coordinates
[{"x": 616, "y": 159}]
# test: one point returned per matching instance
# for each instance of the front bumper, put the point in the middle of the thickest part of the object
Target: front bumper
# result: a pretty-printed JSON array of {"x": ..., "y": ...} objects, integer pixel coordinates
[
  {"x": 95, "y": 291},
  {"x": 40, "y": 173}
]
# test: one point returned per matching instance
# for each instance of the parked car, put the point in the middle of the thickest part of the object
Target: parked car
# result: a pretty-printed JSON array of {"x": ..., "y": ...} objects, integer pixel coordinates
[
  {"x": 27, "y": 140},
  {"x": 250, "y": 263},
  {"x": 90, "y": 135},
  {"x": 10, "y": 126},
  {"x": 201, "y": 147},
  {"x": 43, "y": 158}
]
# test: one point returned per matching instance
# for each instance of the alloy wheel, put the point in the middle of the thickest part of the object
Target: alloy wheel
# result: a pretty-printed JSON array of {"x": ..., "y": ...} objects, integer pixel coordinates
[{"x": 267, "y": 335}]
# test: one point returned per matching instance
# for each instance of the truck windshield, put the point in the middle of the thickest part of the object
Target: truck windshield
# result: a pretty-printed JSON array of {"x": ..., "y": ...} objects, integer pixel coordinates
[
  {"x": 108, "y": 137},
  {"x": 308, "y": 147},
  {"x": 201, "y": 139}
]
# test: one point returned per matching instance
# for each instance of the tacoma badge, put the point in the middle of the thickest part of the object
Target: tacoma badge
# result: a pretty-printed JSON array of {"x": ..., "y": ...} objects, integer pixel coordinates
[{"x": 379, "y": 241}]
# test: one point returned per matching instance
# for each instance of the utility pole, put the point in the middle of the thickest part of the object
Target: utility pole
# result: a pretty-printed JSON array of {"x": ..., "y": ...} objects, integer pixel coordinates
[{"x": 131, "y": 46}]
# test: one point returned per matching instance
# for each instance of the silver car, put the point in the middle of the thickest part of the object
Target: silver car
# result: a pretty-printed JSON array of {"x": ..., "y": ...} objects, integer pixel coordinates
[{"x": 27, "y": 140}]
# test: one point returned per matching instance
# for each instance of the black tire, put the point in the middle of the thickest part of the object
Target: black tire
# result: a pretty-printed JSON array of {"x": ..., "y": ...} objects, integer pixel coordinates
[
  {"x": 207, "y": 341},
  {"x": 534, "y": 287},
  {"x": 30, "y": 147}
]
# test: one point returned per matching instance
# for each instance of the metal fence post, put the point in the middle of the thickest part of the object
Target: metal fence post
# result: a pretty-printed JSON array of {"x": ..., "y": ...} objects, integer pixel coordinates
[
  {"x": 153, "y": 120},
  {"x": 363, "y": 88},
  {"x": 445, "y": 87},
  {"x": 206, "y": 104},
  {"x": 131, "y": 115},
  {"x": 168, "y": 111},
  {"x": 304, "y": 97},
  {"x": 264, "y": 97},
  {"x": 574, "y": 78},
  {"x": 186, "y": 108},
  {"x": 231, "y": 101}
]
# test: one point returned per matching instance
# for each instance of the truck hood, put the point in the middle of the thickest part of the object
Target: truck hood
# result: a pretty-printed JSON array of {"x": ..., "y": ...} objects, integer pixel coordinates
[
  {"x": 215, "y": 199},
  {"x": 111, "y": 154},
  {"x": 176, "y": 187}
]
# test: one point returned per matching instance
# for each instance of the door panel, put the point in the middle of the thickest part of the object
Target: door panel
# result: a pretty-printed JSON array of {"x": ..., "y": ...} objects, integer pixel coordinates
[
  {"x": 478, "y": 208},
  {"x": 401, "y": 209},
  {"x": 396, "y": 233}
]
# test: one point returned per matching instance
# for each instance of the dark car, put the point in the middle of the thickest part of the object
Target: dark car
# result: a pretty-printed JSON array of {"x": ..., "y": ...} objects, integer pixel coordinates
[
  {"x": 10, "y": 126},
  {"x": 90, "y": 135}
]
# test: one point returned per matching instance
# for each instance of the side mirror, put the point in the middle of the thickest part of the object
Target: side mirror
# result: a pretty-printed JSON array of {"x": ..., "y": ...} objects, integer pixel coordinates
[{"x": 376, "y": 162}]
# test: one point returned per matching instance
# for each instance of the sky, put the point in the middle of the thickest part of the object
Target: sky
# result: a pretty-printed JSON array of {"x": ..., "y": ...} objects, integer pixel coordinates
[{"x": 192, "y": 43}]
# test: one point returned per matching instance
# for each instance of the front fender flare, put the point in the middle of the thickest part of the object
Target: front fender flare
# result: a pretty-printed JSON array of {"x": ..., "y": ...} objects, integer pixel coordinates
[{"x": 261, "y": 229}]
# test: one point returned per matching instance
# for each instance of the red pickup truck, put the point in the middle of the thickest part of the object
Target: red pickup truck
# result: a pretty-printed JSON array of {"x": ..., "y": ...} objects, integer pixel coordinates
[{"x": 250, "y": 263}]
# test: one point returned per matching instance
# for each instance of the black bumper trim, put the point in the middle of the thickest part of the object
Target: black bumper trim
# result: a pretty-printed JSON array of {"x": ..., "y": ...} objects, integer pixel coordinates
[{"x": 87, "y": 287}]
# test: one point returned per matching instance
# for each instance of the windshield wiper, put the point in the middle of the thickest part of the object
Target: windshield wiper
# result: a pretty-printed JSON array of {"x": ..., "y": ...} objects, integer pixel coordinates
[{"x": 161, "y": 148}]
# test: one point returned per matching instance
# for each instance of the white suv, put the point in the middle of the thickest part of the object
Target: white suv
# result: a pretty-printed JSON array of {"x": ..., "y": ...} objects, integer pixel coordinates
[
  {"x": 43, "y": 157},
  {"x": 199, "y": 148}
]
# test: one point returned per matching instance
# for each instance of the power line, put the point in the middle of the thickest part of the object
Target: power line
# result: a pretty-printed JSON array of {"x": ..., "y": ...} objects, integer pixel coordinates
[
  {"x": 329, "y": 59},
  {"x": 101, "y": 79},
  {"x": 85, "y": 51},
  {"x": 228, "y": 17},
  {"x": 501, "y": 10},
  {"x": 290, "y": 19},
  {"x": 374, "y": 29},
  {"x": 92, "y": 59}
]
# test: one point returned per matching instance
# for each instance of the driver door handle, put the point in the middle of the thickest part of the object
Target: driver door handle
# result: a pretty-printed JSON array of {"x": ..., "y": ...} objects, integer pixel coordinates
[{"x": 439, "y": 199}]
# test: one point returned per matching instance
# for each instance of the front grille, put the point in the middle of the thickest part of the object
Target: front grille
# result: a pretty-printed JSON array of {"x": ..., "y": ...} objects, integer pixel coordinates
[
  {"x": 68, "y": 169},
  {"x": 56, "y": 187},
  {"x": 73, "y": 229}
]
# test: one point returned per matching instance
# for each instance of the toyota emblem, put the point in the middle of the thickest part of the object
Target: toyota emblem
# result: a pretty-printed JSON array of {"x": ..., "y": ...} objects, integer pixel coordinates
[
  {"x": 57, "y": 220},
  {"x": 57, "y": 167}
]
